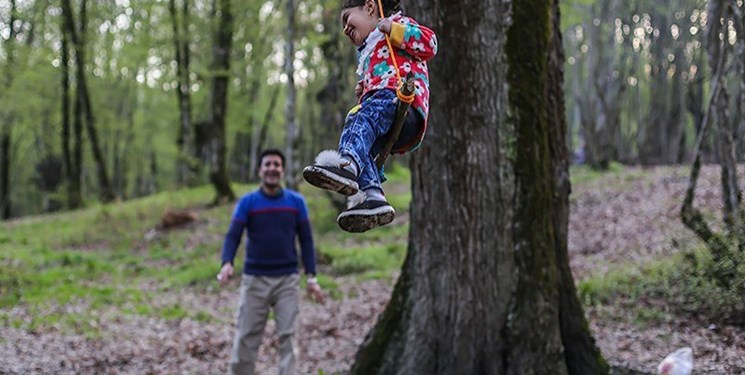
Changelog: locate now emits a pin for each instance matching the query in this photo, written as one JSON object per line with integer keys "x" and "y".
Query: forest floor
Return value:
{"x": 152, "y": 307}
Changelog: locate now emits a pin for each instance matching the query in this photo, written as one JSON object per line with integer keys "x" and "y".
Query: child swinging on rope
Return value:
{"x": 387, "y": 42}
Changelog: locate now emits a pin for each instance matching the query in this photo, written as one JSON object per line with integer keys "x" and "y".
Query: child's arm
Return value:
{"x": 417, "y": 40}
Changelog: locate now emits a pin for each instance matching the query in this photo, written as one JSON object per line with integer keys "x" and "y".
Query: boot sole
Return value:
{"x": 324, "y": 179}
{"x": 359, "y": 221}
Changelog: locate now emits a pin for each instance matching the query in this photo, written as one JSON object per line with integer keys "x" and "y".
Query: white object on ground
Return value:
{"x": 679, "y": 362}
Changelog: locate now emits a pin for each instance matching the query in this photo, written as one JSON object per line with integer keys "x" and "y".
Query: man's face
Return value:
{"x": 271, "y": 171}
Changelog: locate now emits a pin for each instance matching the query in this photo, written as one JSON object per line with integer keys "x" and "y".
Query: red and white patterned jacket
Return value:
{"x": 414, "y": 44}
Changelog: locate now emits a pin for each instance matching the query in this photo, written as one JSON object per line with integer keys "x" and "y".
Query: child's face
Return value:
{"x": 359, "y": 22}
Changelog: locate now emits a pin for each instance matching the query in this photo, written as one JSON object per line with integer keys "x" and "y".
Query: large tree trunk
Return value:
{"x": 106, "y": 191}
{"x": 486, "y": 288}
{"x": 292, "y": 128}
{"x": 219, "y": 100}
{"x": 186, "y": 166}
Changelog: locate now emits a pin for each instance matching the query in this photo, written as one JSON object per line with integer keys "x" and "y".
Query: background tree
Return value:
{"x": 726, "y": 246}
{"x": 83, "y": 101}
{"x": 290, "y": 103}
{"x": 481, "y": 284}
{"x": 219, "y": 94}
{"x": 187, "y": 163}
{"x": 6, "y": 126}
{"x": 72, "y": 173}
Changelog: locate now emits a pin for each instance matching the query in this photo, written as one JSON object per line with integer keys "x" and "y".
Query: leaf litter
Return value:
{"x": 628, "y": 218}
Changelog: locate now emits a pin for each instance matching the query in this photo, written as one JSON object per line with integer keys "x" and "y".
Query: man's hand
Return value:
{"x": 225, "y": 273}
{"x": 358, "y": 90}
{"x": 314, "y": 292}
{"x": 384, "y": 25}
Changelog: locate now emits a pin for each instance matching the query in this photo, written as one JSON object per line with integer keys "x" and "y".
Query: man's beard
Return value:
{"x": 272, "y": 184}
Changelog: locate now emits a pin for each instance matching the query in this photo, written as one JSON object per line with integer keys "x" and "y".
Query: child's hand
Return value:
{"x": 358, "y": 90}
{"x": 385, "y": 25}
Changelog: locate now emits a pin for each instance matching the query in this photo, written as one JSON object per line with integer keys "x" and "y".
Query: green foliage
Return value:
{"x": 132, "y": 82}
{"x": 684, "y": 284}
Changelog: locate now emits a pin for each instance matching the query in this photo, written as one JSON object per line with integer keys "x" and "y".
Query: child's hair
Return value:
{"x": 389, "y": 6}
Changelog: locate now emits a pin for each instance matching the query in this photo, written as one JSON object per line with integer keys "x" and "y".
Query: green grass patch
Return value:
{"x": 97, "y": 258}
{"x": 172, "y": 312}
{"x": 378, "y": 260}
{"x": 680, "y": 285}
{"x": 582, "y": 174}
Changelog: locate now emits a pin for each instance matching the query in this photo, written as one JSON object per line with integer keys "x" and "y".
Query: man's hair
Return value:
{"x": 389, "y": 6}
{"x": 271, "y": 151}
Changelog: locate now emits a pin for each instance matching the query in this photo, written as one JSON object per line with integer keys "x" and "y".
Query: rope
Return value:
{"x": 408, "y": 99}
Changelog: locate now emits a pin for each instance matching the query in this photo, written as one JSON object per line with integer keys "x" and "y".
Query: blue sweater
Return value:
{"x": 272, "y": 224}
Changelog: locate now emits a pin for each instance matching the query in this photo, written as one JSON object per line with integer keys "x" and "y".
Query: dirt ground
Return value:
{"x": 626, "y": 219}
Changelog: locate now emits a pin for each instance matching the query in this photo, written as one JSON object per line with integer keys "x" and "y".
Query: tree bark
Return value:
{"x": 482, "y": 290}
{"x": 292, "y": 128}
{"x": 219, "y": 100}
{"x": 106, "y": 191}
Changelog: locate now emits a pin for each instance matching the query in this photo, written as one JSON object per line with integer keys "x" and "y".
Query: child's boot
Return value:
{"x": 365, "y": 211}
{"x": 334, "y": 172}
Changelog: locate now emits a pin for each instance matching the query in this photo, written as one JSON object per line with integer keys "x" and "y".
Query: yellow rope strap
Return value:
{"x": 408, "y": 99}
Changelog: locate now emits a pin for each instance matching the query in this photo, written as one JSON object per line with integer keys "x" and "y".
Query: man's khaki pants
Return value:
{"x": 258, "y": 294}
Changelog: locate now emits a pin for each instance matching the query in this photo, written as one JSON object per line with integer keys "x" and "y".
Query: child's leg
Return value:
{"x": 340, "y": 171}
{"x": 362, "y": 138}
{"x": 364, "y": 130}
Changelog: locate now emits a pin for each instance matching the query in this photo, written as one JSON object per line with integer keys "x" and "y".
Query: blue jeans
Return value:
{"x": 366, "y": 132}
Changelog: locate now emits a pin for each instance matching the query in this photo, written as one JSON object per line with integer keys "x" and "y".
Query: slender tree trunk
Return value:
{"x": 292, "y": 128}
{"x": 691, "y": 216}
{"x": 259, "y": 134}
{"x": 244, "y": 155}
{"x": 185, "y": 165}
{"x": 5, "y": 206}
{"x": 219, "y": 101}
{"x": 74, "y": 194}
{"x": 605, "y": 87}
{"x": 6, "y": 126}
{"x": 726, "y": 131}
{"x": 653, "y": 135}
{"x": 739, "y": 124}
{"x": 482, "y": 290}
{"x": 106, "y": 190}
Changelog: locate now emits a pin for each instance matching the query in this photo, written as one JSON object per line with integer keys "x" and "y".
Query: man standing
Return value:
{"x": 272, "y": 217}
